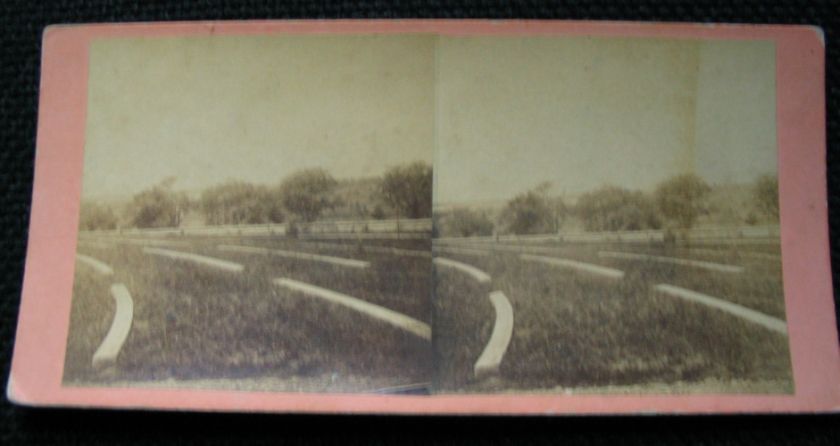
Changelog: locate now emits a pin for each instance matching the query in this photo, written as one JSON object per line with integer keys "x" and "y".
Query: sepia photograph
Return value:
{"x": 606, "y": 217}
{"x": 256, "y": 215}
{"x": 421, "y": 214}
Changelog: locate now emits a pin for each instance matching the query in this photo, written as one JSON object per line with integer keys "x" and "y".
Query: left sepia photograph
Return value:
{"x": 256, "y": 215}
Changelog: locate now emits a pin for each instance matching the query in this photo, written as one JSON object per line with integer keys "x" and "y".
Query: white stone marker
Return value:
{"x": 490, "y": 359}
{"x": 394, "y": 318}
{"x": 745, "y": 313}
{"x": 463, "y": 251}
{"x": 720, "y": 267}
{"x": 120, "y": 327}
{"x": 97, "y": 265}
{"x": 574, "y": 264}
{"x": 340, "y": 261}
{"x": 195, "y": 258}
{"x": 474, "y": 272}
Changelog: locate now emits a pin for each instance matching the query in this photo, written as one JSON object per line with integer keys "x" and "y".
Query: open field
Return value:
{"x": 462, "y": 323}
{"x": 576, "y": 330}
{"x": 578, "y": 325}
{"x": 196, "y": 323}
{"x": 758, "y": 287}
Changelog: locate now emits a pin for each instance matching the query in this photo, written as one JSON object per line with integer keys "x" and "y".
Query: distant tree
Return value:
{"x": 238, "y": 202}
{"x": 307, "y": 193}
{"x": 158, "y": 207}
{"x": 93, "y": 217}
{"x": 360, "y": 210}
{"x": 408, "y": 190}
{"x": 766, "y": 196}
{"x": 533, "y": 212}
{"x": 681, "y": 199}
{"x": 465, "y": 222}
{"x": 353, "y": 198}
{"x": 612, "y": 208}
{"x": 557, "y": 207}
{"x": 377, "y": 213}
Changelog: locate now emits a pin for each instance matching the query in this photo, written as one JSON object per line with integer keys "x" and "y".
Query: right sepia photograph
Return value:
{"x": 606, "y": 217}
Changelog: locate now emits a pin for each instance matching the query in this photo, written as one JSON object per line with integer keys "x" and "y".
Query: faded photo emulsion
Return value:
{"x": 256, "y": 214}
{"x": 426, "y": 214}
{"x": 607, "y": 217}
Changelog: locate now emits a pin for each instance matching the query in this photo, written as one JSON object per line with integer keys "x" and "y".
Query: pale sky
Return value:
{"x": 581, "y": 112}
{"x": 498, "y": 115}
{"x": 255, "y": 108}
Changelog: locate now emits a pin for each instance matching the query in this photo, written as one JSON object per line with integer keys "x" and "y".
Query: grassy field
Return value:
{"x": 573, "y": 330}
{"x": 759, "y": 287}
{"x": 461, "y": 326}
{"x": 194, "y": 323}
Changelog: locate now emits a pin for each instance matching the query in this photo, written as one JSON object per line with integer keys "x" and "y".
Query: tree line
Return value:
{"x": 676, "y": 203}
{"x": 304, "y": 196}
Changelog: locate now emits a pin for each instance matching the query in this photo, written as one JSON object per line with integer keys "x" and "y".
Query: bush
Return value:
{"x": 307, "y": 193}
{"x": 95, "y": 217}
{"x": 158, "y": 207}
{"x": 681, "y": 199}
{"x": 612, "y": 208}
{"x": 766, "y": 196}
{"x": 465, "y": 222}
{"x": 292, "y": 230}
{"x": 378, "y": 213}
{"x": 237, "y": 202}
{"x": 408, "y": 190}
{"x": 533, "y": 212}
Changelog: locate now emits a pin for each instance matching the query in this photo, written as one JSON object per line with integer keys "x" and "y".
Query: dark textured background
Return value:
{"x": 21, "y": 23}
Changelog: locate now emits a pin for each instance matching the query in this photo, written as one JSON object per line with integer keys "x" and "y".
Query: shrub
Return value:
{"x": 408, "y": 190}
{"x": 533, "y": 212}
{"x": 681, "y": 199}
{"x": 93, "y": 217}
{"x": 158, "y": 207}
{"x": 612, "y": 208}
{"x": 292, "y": 229}
{"x": 307, "y": 193}
{"x": 766, "y": 196}
{"x": 378, "y": 213}
{"x": 465, "y": 222}
{"x": 237, "y": 202}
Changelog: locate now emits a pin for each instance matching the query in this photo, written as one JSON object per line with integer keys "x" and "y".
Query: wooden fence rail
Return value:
{"x": 748, "y": 234}
{"x": 363, "y": 229}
